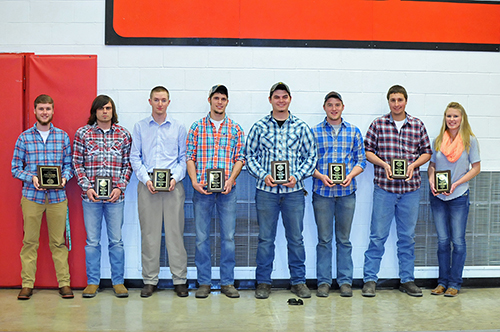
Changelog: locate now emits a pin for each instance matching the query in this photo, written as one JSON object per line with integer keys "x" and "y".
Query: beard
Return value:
{"x": 44, "y": 123}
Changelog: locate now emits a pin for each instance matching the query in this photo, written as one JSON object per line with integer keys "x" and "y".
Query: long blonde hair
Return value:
{"x": 465, "y": 129}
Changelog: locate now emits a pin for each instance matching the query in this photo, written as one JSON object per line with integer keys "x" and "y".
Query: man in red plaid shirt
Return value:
{"x": 102, "y": 148}
{"x": 215, "y": 142}
{"x": 396, "y": 135}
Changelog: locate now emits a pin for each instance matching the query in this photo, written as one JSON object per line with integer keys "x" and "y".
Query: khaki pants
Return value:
{"x": 56, "y": 225}
{"x": 155, "y": 210}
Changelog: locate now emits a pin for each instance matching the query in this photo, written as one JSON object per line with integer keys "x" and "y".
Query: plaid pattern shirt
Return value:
{"x": 96, "y": 153}
{"x": 30, "y": 151}
{"x": 211, "y": 149}
{"x": 384, "y": 140}
{"x": 344, "y": 147}
{"x": 267, "y": 142}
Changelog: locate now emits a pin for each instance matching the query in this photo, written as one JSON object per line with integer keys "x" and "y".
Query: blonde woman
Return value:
{"x": 455, "y": 149}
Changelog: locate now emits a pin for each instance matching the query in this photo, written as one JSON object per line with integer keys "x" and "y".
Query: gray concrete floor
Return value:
{"x": 390, "y": 310}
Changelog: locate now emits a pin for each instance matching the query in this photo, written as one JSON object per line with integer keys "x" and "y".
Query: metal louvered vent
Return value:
{"x": 483, "y": 227}
{"x": 247, "y": 230}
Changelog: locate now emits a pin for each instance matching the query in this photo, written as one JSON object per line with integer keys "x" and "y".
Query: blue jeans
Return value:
{"x": 92, "y": 216}
{"x": 450, "y": 218}
{"x": 226, "y": 207}
{"x": 404, "y": 208}
{"x": 325, "y": 209}
{"x": 292, "y": 207}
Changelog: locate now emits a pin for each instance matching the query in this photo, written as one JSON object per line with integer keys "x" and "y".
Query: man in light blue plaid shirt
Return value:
{"x": 338, "y": 142}
{"x": 280, "y": 136}
{"x": 45, "y": 145}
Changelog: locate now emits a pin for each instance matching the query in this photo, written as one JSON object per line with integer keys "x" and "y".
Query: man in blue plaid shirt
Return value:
{"x": 280, "y": 136}
{"x": 43, "y": 144}
{"x": 338, "y": 142}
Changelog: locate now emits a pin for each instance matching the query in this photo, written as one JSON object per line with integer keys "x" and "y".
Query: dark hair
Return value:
{"x": 99, "y": 102}
{"x": 159, "y": 88}
{"x": 397, "y": 89}
{"x": 44, "y": 99}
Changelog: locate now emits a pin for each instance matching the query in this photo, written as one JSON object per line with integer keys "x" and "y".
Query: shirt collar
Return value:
{"x": 167, "y": 119}
{"x": 408, "y": 119}
{"x": 328, "y": 124}
{"x": 95, "y": 127}
{"x": 50, "y": 129}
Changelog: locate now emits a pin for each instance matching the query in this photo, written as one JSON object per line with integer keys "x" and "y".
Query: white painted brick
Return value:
{"x": 25, "y": 35}
{"x": 51, "y": 11}
{"x": 185, "y": 57}
{"x": 273, "y": 58}
{"x": 89, "y": 11}
{"x": 137, "y": 56}
{"x": 480, "y": 105}
{"x": 203, "y": 79}
{"x": 14, "y": 11}
{"x": 321, "y": 58}
{"x": 447, "y": 61}
{"x": 229, "y": 57}
{"x": 341, "y": 81}
{"x": 172, "y": 79}
{"x": 119, "y": 78}
{"x": 77, "y": 33}
{"x": 253, "y": 80}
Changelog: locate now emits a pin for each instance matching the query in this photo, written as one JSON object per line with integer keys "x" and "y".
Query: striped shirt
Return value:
{"x": 384, "y": 140}
{"x": 211, "y": 149}
{"x": 99, "y": 153}
{"x": 345, "y": 147}
{"x": 267, "y": 142}
{"x": 30, "y": 151}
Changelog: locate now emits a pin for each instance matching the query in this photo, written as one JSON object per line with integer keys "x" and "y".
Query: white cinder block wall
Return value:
{"x": 127, "y": 73}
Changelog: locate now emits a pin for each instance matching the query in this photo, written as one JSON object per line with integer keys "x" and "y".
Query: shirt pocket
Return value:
{"x": 267, "y": 142}
{"x": 293, "y": 142}
{"x": 92, "y": 149}
{"x": 410, "y": 144}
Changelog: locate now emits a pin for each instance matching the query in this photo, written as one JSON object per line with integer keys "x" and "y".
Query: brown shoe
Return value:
{"x": 148, "y": 290}
{"x": 230, "y": 291}
{"x": 90, "y": 291}
{"x": 66, "y": 292}
{"x": 451, "y": 292}
{"x": 25, "y": 293}
{"x": 202, "y": 292}
{"x": 181, "y": 290}
{"x": 120, "y": 290}
{"x": 439, "y": 290}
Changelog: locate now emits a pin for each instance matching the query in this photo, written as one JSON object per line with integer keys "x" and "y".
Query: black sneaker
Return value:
{"x": 411, "y": 289}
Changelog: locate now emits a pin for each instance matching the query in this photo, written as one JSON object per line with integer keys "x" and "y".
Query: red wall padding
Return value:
{"x": 71, "y": 80}
{"x": 11, "y": 221}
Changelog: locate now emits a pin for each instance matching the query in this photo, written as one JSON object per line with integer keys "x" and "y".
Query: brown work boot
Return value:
{"x": 439, "y": 290}
{"x": 148, "y": 290}
{"x": 451, "y": 292}
{"x": 230, "y": 291}
{"x": 120, "y": 290}
{"x": 202, "y": 292}
{"x": 90, "y": 291}
{"x": 25, "y": 293}
{"x": 66, "y": 292}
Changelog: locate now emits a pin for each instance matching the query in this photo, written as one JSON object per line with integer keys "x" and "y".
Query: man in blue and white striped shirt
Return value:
{"x": 338, "y": 142}
{"x": 280, "y": 136}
